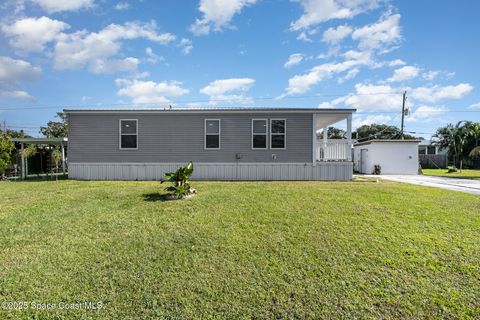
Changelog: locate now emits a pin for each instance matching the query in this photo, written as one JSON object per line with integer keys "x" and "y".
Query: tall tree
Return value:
{"x": 379, "y": 131}
{"x": 56, "y": 129}
{"x": 333, "y": 133}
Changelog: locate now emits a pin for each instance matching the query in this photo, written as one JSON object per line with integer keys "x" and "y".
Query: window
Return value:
{"x": 422, "y": 149}
{"x": 212, "y": 134}
{"x": 277, "y": 133}
{"x": 431, "y": 150}
{"x": 128, "y": 134}
{"x": 259, "y": 133}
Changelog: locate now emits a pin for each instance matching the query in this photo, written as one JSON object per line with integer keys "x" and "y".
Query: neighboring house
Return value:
{"x": 224, "y": 144}
{"x": 432, "y": 156}
{"x": 427, "y": 147}
{"x": 394, "y": 156}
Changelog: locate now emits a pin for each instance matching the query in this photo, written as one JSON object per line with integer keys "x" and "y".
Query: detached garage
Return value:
{"x": 393, "y": 156}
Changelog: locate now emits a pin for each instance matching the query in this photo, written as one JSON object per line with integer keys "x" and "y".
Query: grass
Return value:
{"x": 360, "y": 250}
{"x": 464, "y": 174}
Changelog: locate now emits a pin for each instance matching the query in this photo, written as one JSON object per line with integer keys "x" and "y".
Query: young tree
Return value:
{"x": 6, "y": 148}
{"x": 56, "y": 129}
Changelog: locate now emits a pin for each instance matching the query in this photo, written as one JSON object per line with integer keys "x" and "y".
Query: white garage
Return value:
{"x": 393, "y": 156}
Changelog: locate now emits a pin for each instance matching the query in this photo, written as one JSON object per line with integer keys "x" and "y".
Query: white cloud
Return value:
{"x": 475, "y": 106}
{"x": 217, "y": 14}
{"x": 17, "y": 94}
{"x": 302, "y": 83}
{"x": 426, "y": 114}
{"x": 228, "y": 89}
{"x": 307, "y": 34}
{"x": 102, "y": 66}
{"x": 349, "y": 76}
{"x": 374, "y": 97}
{"x": 152, "y": 57}
{"x": 396, "y": 63}
{"x": 318, "y": 11}
{"x": 81, "y": 49}
{"x": 434, "y": 74}
{"x": 12, "y": 73}
{"x": 186, "y": 45}
{"x": 31, "y": 34}
{"x": 17, "y": 70}
{"x": 436, "y": 93}
{"x": 149, "y": 91}
{"x": 335, "y": 35}
{"x": 384, "y": 97}
{"x": 52, "y": 6}
{"x": 404, "y": 74}
{"x": 380, "y": 35}
{"x": 294, "y": 59}
{"x": 371, "y": 119}
{"x": 430, "y": 75}
{"x": 122, "y": 6}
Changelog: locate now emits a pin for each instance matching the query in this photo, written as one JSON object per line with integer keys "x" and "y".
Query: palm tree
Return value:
{"x": 452, "y": 138}
{"x": 473, "y": 132}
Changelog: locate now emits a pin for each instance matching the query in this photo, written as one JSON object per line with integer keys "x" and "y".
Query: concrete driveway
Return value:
{"x": 463, "y": 185}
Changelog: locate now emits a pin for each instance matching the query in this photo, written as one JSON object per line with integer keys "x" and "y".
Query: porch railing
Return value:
{"x": 333, "y": 150}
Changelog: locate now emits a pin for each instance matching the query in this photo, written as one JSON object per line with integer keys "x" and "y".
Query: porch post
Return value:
{"x": 349, "y": 137}
{"x": 23, "y": 161}
{"x": 63, "y": 158}
{"x": 314, "y": 139}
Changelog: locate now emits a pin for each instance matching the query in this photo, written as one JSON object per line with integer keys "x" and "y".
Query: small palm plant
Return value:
{"x": 180, "y": 187}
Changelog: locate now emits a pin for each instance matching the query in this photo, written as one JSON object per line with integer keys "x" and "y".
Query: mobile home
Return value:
{"x": 223, "y": 143}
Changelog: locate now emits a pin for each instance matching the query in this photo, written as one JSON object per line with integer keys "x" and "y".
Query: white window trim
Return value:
{"x": 279, "y": 134}
{"x": 211, "y": 134}
{"x": 126, "y": 134}
{"x": 266, "y": 133}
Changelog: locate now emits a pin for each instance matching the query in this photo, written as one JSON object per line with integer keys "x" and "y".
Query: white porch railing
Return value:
{"x": 333, "y": 150}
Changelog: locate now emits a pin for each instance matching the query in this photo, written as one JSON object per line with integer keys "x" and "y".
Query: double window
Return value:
{"x": 212, "y": 134}
{"x": 129, "y": 134}
{"x": 259, "y": 133}
{"x": 277, "y": 133}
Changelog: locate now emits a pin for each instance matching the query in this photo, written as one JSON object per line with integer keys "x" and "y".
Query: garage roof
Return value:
{"x": 386, "y": 140}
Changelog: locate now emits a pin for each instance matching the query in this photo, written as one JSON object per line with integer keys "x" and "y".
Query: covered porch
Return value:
{"x": 61, "y": 142}
{"x": 325, "y": 149}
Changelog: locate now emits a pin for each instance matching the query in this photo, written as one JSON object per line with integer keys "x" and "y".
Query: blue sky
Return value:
{"x": 304, "y": 53}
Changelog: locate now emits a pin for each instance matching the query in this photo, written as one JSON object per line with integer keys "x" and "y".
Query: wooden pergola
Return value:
{"x": 62, "y": 142}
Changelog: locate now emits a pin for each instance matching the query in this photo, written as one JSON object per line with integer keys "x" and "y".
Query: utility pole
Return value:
{"x": 403, "y": 113}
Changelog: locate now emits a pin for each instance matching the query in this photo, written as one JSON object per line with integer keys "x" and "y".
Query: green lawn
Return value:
{"x": 465, "y": 173}
{"x": 240, "y": 250}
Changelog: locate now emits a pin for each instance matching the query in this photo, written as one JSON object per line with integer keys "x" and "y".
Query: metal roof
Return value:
{"x": 208, "y": 109}
{"x": 41, "y": 140}
{"x": 386, "y": 140}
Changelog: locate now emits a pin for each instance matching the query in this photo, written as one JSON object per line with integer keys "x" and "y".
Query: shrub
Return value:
{"x": 377, "y": 169}
{"x": 180, "y": 181}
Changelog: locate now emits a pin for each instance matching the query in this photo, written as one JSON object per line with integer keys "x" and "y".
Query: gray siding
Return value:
{"x": 171, "y": 138}
{"x": 340, "y": 171}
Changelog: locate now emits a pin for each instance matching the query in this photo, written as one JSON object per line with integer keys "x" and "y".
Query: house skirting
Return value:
{"x": 331, "y": 171}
